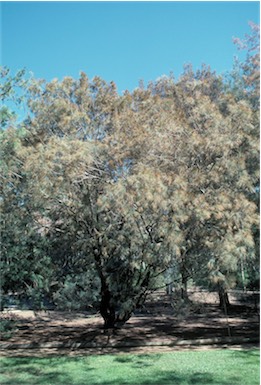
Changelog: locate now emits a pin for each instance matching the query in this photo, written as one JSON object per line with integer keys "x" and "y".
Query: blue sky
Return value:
{"x": 122, "y": 41}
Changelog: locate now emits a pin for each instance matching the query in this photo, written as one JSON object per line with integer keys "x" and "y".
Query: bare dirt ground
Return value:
{"x": 161, "y": 325}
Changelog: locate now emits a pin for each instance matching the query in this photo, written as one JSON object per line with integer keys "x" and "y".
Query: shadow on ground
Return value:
{"x": 157, "y": 324}
{"x": 38, "y": 371}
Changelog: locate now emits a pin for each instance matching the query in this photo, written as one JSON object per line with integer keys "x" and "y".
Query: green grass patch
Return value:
{"x": 213, "y": 367}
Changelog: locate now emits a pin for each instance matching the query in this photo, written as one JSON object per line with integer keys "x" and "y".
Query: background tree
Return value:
{"x": 12, "y": 95}
{"x": 25, "y": 264}
{"x": 206, "y": 149}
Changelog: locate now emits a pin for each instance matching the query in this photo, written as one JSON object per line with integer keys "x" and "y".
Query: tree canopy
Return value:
{"x": 106, "y": 192}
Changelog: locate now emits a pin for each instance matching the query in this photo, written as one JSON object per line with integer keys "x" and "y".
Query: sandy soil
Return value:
{"x": 157, "y": 327}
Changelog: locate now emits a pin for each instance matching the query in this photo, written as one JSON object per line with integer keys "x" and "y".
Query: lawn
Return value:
{"x": 213, "y": 367}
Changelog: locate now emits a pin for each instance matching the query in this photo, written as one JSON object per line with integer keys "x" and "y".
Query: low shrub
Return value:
{"x": 8, "y": 325}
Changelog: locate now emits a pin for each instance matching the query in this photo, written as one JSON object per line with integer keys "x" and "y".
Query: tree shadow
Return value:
{"x": 174, "y": 378}
{"x": 36, "y": 369}
{"x": 249, "y": 357}
{"x": 139, "y": 360}
{"x": 46, "y": 371}
{"x": 166, "y": 329}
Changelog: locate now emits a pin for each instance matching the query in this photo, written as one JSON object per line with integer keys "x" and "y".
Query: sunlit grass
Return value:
{"x": 213, "y": 367}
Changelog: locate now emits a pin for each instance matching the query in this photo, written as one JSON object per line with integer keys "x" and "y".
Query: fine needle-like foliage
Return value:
{"x": 123, "y": 188}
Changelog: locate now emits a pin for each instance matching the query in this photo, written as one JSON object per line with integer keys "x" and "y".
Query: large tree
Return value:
{"x": 106, "y": 211}
{"x": 131, "y": 185}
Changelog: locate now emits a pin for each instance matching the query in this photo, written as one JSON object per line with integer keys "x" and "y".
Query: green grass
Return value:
{"x": 213, "y": 367}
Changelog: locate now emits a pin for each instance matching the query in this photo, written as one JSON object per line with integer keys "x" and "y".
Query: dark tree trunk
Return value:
{"x": 184, "y": 287}
{"x": 169, "y": 288}
{"x": 113, "y": 305}
{"x": 224, "y": 305}
{"x": 112, "y": 312}
{"x": 107, "y": 309}
{"x": 184, "y": 278}
{"x": 109, "y": 314}
{"x": 184, "y": 293}
{"x": 223, "y": 299}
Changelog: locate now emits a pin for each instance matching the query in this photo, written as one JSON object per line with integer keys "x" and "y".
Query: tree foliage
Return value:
{"x": 106, "y": 192}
